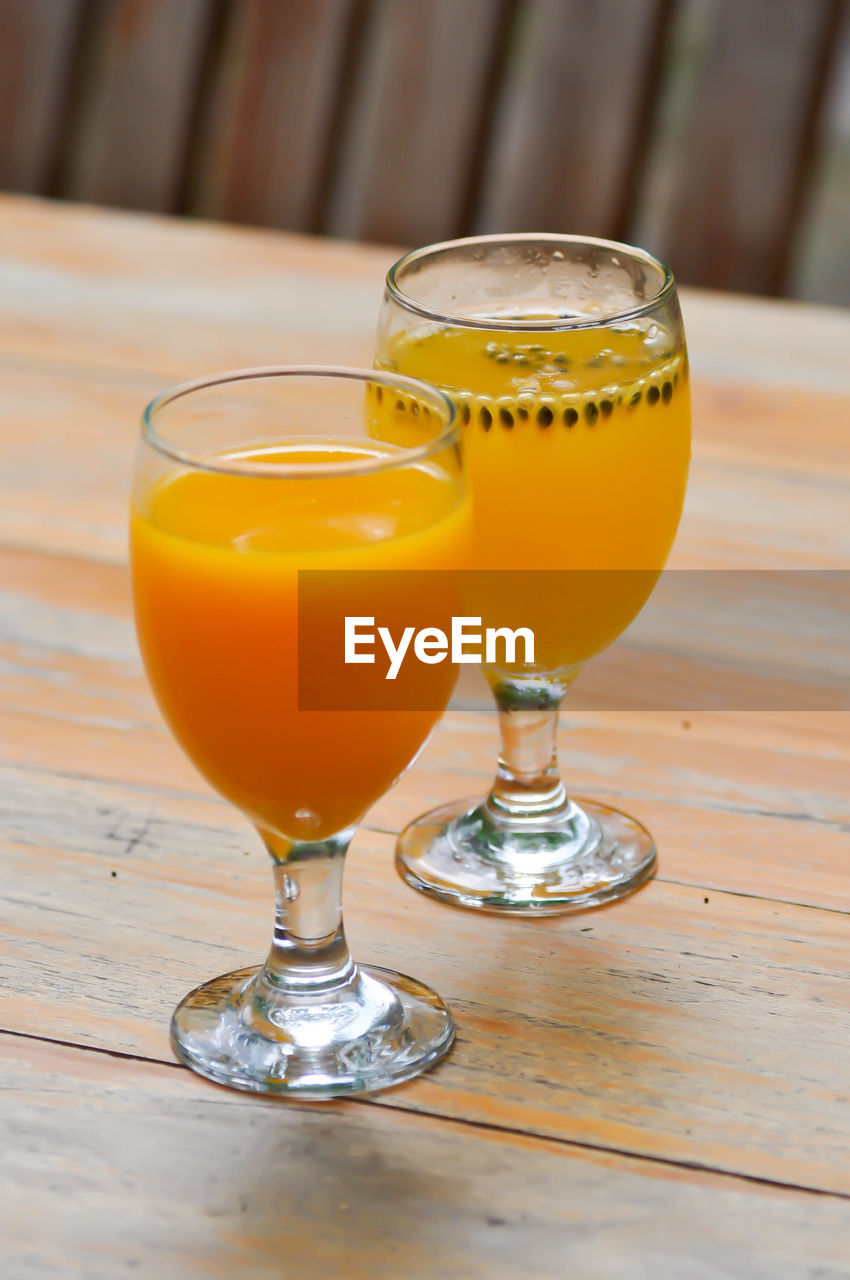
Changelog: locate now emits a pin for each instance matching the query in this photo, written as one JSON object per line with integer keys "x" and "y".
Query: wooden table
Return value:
{"x": 660, "y": 1089}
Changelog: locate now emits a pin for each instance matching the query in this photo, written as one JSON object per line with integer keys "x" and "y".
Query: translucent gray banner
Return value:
{"x": 742, "y": 640}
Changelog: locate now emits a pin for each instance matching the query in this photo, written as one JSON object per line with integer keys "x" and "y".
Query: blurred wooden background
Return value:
{"x": 715, "y": 132}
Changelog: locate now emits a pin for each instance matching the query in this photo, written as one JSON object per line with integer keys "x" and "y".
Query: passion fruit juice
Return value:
{"x": 577, "y": 445}
{"x": 216, "y": 560}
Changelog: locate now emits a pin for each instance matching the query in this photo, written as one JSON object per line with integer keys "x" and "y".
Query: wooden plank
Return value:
{"x": 212, "y": 1185}
{"x": 654, "y": 1028}
{"x": 646, "y": 1029}
{"x": 67, "y": 642}
{"x": 683, "y": 1030}
{"x": 779, "y": 831}
{"x": 99, "y": 289}
{"x": 87, "y": 292}
{"x": 412, "y": 126}
{"x": 707, "y": 839}
{"x": 264, "y": 144}
{"x": 671, "y": 1027}
{"x": 72, "y": 698}
{"x": 66, "y": 469}
{"x": 571, "y": 117}
{"x": 777, "y": 826}
{"x": 768, "y": 484}
{"x": 737, "y": 167}
{"x": 767, "y": 343}
{"x": 36, "y": 47}
{"x": 136, "y": 88}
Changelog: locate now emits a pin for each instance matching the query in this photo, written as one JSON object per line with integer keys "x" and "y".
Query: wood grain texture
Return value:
{"x": 36, "y": 47}
{"x": 669, "y": 1026}
{"x": 602, "y": 1058}
{"x": 100, "y": 311}
{"x": 135, "y": 1167}
{"x": 779, "y": 830}
{"x": 569, "y": 128}
{"x": 98, "y": 289}
{"x": 768, "y": 486}
{"x": 136, "y": 82}
{"x": 73, "y": 699}
{"x": 408, "y": 142}
{"x": 265, "y": 138}
{"x": 740, "y": 160}
{"x": 690, "y": 1031}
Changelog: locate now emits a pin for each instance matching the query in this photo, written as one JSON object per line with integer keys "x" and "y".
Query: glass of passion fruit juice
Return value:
{"x": 565, "y": 358}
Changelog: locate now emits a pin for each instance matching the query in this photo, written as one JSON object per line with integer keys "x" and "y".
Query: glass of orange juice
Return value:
{"x": 565, "y": 359}
{"x": 242, "y": 482}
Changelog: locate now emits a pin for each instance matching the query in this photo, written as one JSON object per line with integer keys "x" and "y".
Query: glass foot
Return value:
{"x": 460, "y": 854}
{"x": 377, "y": 1029}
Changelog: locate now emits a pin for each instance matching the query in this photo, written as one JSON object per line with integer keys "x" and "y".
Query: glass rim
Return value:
{"x": 282, "y": 470}
{"x": 518, "y": 326}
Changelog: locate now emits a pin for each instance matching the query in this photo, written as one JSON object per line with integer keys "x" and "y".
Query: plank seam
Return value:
{"x": 91, "y": 1048}
{"x": 143, "y": 789}
{"x": 482, "y": 1125}
{"x": 577, "y": 1143}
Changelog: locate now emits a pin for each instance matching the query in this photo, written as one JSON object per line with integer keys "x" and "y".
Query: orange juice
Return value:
{"x": 577, "y": 445}
{"x": 215, "y": 559}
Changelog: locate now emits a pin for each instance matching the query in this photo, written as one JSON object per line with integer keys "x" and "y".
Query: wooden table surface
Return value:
{"x": 658, "y": 1089}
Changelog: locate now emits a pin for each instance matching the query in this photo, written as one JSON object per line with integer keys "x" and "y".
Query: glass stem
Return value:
{"x": 528, "y": 786}
{"x": 309, "y": 954}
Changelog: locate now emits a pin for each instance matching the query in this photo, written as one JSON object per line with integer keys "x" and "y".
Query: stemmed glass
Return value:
{"x": 565, "y": 358}
{"x": 244, "y": 481}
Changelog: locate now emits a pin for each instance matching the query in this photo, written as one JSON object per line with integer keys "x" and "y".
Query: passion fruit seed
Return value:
{"x": 544, "y": 411}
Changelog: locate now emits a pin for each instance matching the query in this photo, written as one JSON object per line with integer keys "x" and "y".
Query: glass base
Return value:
{"x": 377, "y": 1029}
{"x": 460, "y": 853}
